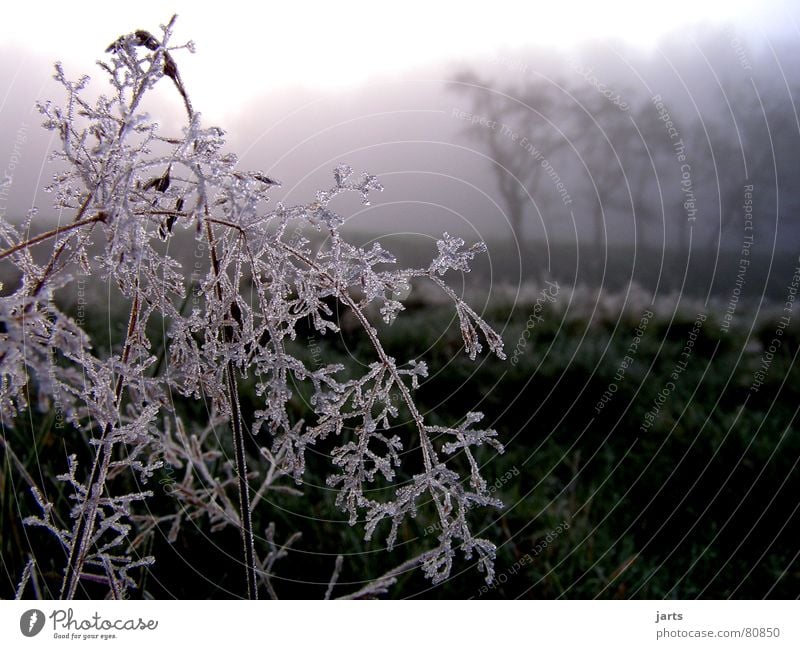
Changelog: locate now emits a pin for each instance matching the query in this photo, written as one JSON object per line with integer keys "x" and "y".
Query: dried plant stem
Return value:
{"x": 428, "y": 452}
{"x": 84, "y": 526}
{"x": 380, "y": 585}
{"x": 337, "y": 570}
{"x": 243, "y": 483}
{"x": 57, "y": 252}
{"x": 245, "y": 517}
{"x": 50, "y": 233}
{"x": 127, "y": 395}
{"x": 26, "y": 577}
{"x": 14, "y": 458}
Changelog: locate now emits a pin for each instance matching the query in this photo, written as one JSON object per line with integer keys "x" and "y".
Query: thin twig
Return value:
{"x": 42, "y": 281}
{"x": 100, "y": 216}
{"x": 246, "y": 519}
{"x": 275, "y": 554}
{"x": 380, "y": 585}
{"x": 337, "y": 569}
{"x": 84, "y": 526}
{"x": 26, "y": 575}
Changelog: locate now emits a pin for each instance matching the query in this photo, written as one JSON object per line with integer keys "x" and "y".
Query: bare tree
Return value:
{"x": 522, "y": 141}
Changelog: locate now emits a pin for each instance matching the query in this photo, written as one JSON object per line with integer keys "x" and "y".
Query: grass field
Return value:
{"x": 689, "y": 494}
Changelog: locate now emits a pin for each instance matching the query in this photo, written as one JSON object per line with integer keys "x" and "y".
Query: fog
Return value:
{"x": 601, "y": 151}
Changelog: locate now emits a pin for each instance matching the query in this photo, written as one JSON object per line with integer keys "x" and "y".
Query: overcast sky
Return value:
{"x": 301, "y": 87}
{"x": 247, "y": 49}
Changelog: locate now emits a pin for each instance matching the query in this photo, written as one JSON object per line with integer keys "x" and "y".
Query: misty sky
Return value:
{"x": 248, "y": 49}
{"x": 300, "y": 88}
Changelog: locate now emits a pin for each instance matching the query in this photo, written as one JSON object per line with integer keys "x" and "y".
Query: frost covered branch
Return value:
{"x": 260, "y": 285}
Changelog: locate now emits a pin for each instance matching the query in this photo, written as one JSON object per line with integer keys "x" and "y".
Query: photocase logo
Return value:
{"x": 31, "y": 622}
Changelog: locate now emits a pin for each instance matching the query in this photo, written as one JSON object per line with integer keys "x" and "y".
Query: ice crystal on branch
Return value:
{"x": 260, "y": 283}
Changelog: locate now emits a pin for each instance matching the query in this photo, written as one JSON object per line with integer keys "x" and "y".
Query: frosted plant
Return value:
{"x": 130, "y": 189}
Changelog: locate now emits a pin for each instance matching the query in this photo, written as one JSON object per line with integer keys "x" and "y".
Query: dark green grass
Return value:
{"x": 701, "y": 504}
